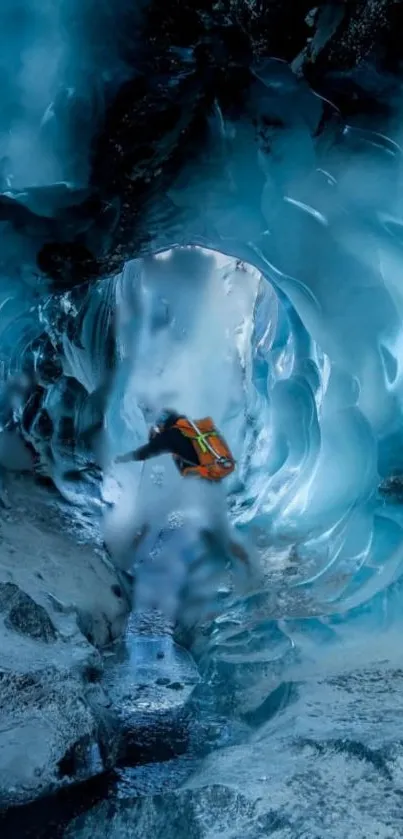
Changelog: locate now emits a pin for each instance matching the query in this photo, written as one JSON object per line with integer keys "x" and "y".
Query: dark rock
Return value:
{"x": 277, "y": 28}
{"x": 24, "y": 615}
{"x": 79, "y": 760}
{"x": 156, "y": 741}
{"x": 67, "y": 264}
{"x": 93, "y": 672}
{"x": 175, "y": 686}
{"x": 352, "y": 33}
{"x": 29, "y": 618}
{"x": 8, "y": 591}
{"x": 183, "y": 58}
{"x": 48, "y": 817}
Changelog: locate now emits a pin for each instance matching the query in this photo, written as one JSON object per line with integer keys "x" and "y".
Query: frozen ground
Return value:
{"x": 60, "y": 603}
{"x": 328, "y": 765}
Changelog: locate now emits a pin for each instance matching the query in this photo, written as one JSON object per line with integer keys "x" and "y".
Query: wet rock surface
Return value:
{"x": 149, "y": 682}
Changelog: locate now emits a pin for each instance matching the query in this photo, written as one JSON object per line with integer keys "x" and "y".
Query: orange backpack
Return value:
{"x": 214, "y": 454}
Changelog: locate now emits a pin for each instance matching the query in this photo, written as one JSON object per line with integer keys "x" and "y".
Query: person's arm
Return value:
{"x": 157, "y": 445}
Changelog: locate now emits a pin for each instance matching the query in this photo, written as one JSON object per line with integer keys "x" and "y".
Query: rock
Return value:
{"x": 329, "y": 765}
{"x": 350, "y": 34}
{"x": 94, "y": 626}
{"x": 27, "y": 617}
{"x": 7, "y": 593}
{"x": 43, "y": 716}
{"x": 175, "y": 686}
{"x": 48, "y": 817}
{"x": 207, "y": 813}
{"x": 270, "y": 28}
{"x": 149, "y": 701}
{"x": 54, "y": 596}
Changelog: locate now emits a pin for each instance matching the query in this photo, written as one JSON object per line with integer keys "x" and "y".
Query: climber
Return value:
{"x": 198, "y": 449}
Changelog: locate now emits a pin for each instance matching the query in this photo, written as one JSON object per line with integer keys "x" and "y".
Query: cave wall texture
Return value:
{"x": 180, "y": 59}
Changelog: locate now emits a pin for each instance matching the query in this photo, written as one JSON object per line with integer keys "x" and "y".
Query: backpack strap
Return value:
{"x": 202, "y": 440}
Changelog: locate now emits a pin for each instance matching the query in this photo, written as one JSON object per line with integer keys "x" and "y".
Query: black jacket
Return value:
{"x": 170, "y": 440}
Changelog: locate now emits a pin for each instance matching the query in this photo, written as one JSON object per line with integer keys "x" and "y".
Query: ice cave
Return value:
{"x": 201, "y": 212}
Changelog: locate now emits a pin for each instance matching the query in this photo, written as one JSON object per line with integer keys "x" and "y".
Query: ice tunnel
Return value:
{"x": 235, "y": 253}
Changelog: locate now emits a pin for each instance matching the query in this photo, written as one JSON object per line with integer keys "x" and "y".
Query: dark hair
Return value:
{"x": 167, "y": 416}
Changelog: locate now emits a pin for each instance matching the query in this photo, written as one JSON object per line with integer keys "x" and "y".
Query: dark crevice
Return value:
{"x": 48, "y": 817}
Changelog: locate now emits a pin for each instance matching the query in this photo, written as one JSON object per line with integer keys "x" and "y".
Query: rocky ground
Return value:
{"x": 60, "y": 604}
{"x": 327, "y": 766}
{"x": 82, "y": 691}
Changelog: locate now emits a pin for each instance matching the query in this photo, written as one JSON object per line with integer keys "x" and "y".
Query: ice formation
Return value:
{"x": 315, "y": 401}
{"x": 267, "y": 293}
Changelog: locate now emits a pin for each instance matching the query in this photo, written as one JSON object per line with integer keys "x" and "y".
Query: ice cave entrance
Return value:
{"x": 194, "y": 349}
{"x": 188, "y": 341}
{"x": 187, "y": 337}
{"x": 206, "y": 334}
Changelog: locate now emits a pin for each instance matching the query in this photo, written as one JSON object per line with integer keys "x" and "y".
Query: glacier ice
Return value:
{"x": 312, "y": 403}
{"x": 266, "y": 293}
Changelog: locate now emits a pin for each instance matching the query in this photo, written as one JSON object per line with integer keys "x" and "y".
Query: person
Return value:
{"x": 197, "y": 447}
{"x": 199, "y": 451}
